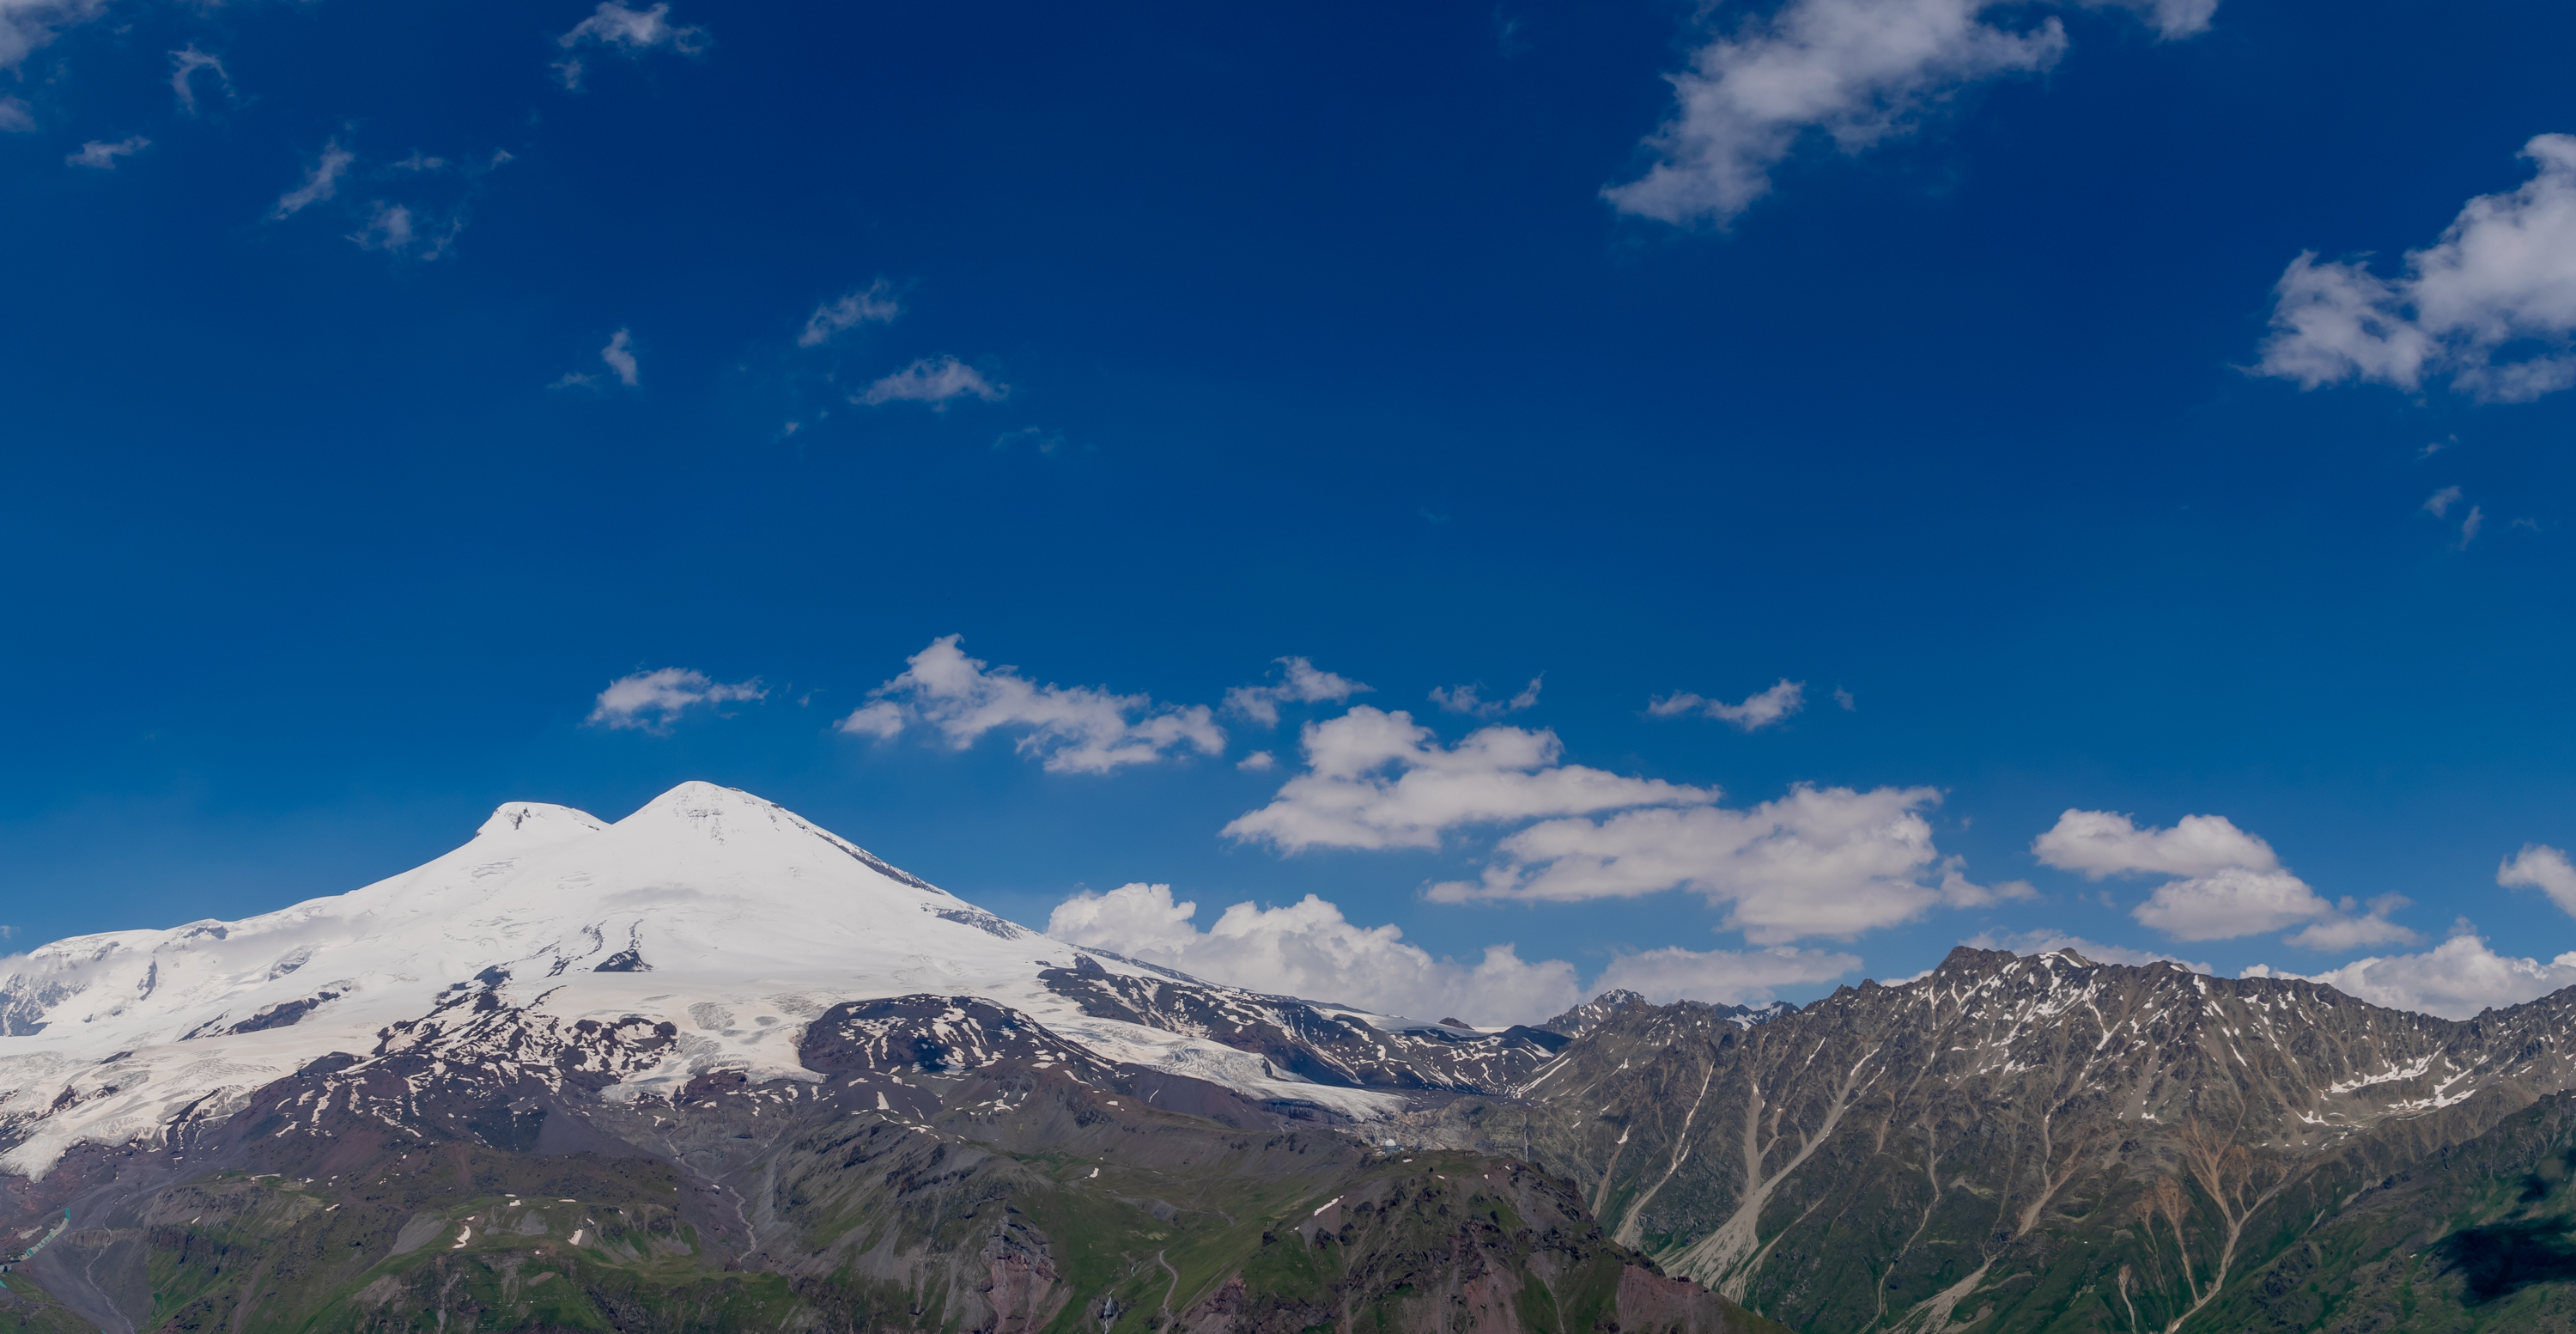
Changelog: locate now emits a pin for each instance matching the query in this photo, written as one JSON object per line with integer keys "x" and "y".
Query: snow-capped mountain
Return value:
{"x": 725, "y": 918}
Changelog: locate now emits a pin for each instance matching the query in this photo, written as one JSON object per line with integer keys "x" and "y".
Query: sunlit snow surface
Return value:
{"x": 743, "y": 922}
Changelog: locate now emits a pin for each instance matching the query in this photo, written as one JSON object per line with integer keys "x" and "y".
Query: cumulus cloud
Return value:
{"x": 652, "y": 701}
{"x": 2544, "y": 868}
{"x": 184, "y": 64}
{"x": 872, "y": 305}
{"x": 321, "y": 181}
{"x": 2230, "y": 883}
{"x": 2501, "y": 279}
{"x": 2440, "y": 502}
{"x": 1464, "y": 699}
{"x": 1855, "y": 72}
{"x": 2455, "y": 979}
{"x": 1310, "y": 949}
{"x": 1758, "y": 711}
{"x": 1301, "y": 682}
{"x": 932, "y": 382}
{"x": 1375, "y": 779}
{"x": 2100, "y": 843}
{"x": 103, "y": 156}
{"x": 2048, "y": 940}
{"x": 1259, "y": 762}
{"x": 1075, "y": 729}
{"x": 1817, "y": 862}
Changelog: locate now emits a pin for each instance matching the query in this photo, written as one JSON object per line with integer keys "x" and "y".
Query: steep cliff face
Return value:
{"x": 2030, "y": 1143}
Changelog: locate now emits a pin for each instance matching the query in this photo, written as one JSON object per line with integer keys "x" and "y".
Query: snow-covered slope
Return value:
{"x": 712, "y": 910}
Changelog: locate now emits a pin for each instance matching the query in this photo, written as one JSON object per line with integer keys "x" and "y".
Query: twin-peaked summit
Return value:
{"x": 727, "y": 916}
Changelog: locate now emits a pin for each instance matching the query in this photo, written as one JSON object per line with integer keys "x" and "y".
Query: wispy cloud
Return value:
{"x": 631, "y": 31}
{"x": 1465, "y": 699}
{"x": 2440, "y": 502}
{"x": 933, "y": 382}
{"x": 2500, "y": 279}
{"x": 1072, "y": 729}
{"x": 873, "y": 305}
{"x": 619, "y": 356}
{"x": 652, "y": 701}
{"x": 103, "y": 156}
{"x": 16, "y": 117}
{"x": 184, "y": 64}
{"x": 1758, "y": 711}
{"x": 395, "y": 229}
{"x": 1855, "y": 72}
{"x": 321, "y": 181}
{"x": 1301, "y": 682}
{"x": 28, "y": 24}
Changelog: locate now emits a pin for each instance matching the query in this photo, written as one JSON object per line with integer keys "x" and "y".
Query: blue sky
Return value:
{"x": 376, "y": 402}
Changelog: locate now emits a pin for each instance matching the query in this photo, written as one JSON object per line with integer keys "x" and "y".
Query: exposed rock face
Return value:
{"x": 1311, "y": 1041}
{"x": 944, "y": 1163}
{"x": 2019, "y": 1141}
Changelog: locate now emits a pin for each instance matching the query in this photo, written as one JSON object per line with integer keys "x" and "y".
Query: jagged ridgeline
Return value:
{"x": 713, "y": 1068}
{"x": 682, "y": 1073}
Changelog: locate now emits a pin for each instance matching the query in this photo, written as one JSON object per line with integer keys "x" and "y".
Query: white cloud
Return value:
{"x": 1844, "y": 698}
{"x": 1301, "y": 682}
{"x": 1463, "y": 699}
{"x": 393, "y": 229}
{"x": 869, "y": 306}
{"x": 1310, "y": 949}
{"x": 1727, "y": 977}
{"x": 1858, "y": 72}
{"x": 2046, "y": 940}
{"x": 185, "y": 63}
{"x": 1077, "y": 729}
{"x": 1259, "y": 762}
{"x": 2440, "y": 502}
{"x": 633, "y": 30}
{"x": 2454, "y": 979}
{"x": 2544, "y": 868}
{"x": 104, "y": 155}
{"x": 2469, "y": 526}
{"x": 933, "y": 382}
{"x": 2502, "y": 276}
{"x": 16, "y": 117}
{"x": 2341, "y": 932}
{"x": 1758, "y": 711}
{"x": 652, "y": 701}
{"x": 320, "y": 182}
{"x": 1817, "y": 862}
{"x": 2100, "y": 843}
{"x": 2231, "y": 882}
{"x": 620, "y": 356}
{"x": 389, "y": 228}
{"x": 28, "y": 24}
{"x": 2229, "y": 902}
{"x": 1379, "y": 780}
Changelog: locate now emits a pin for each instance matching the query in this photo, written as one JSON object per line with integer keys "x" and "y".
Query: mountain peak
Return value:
{"x": 537, "y": 821}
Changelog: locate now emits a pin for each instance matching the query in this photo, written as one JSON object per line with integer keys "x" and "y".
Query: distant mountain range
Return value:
{"x": 713, "y": 1067}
